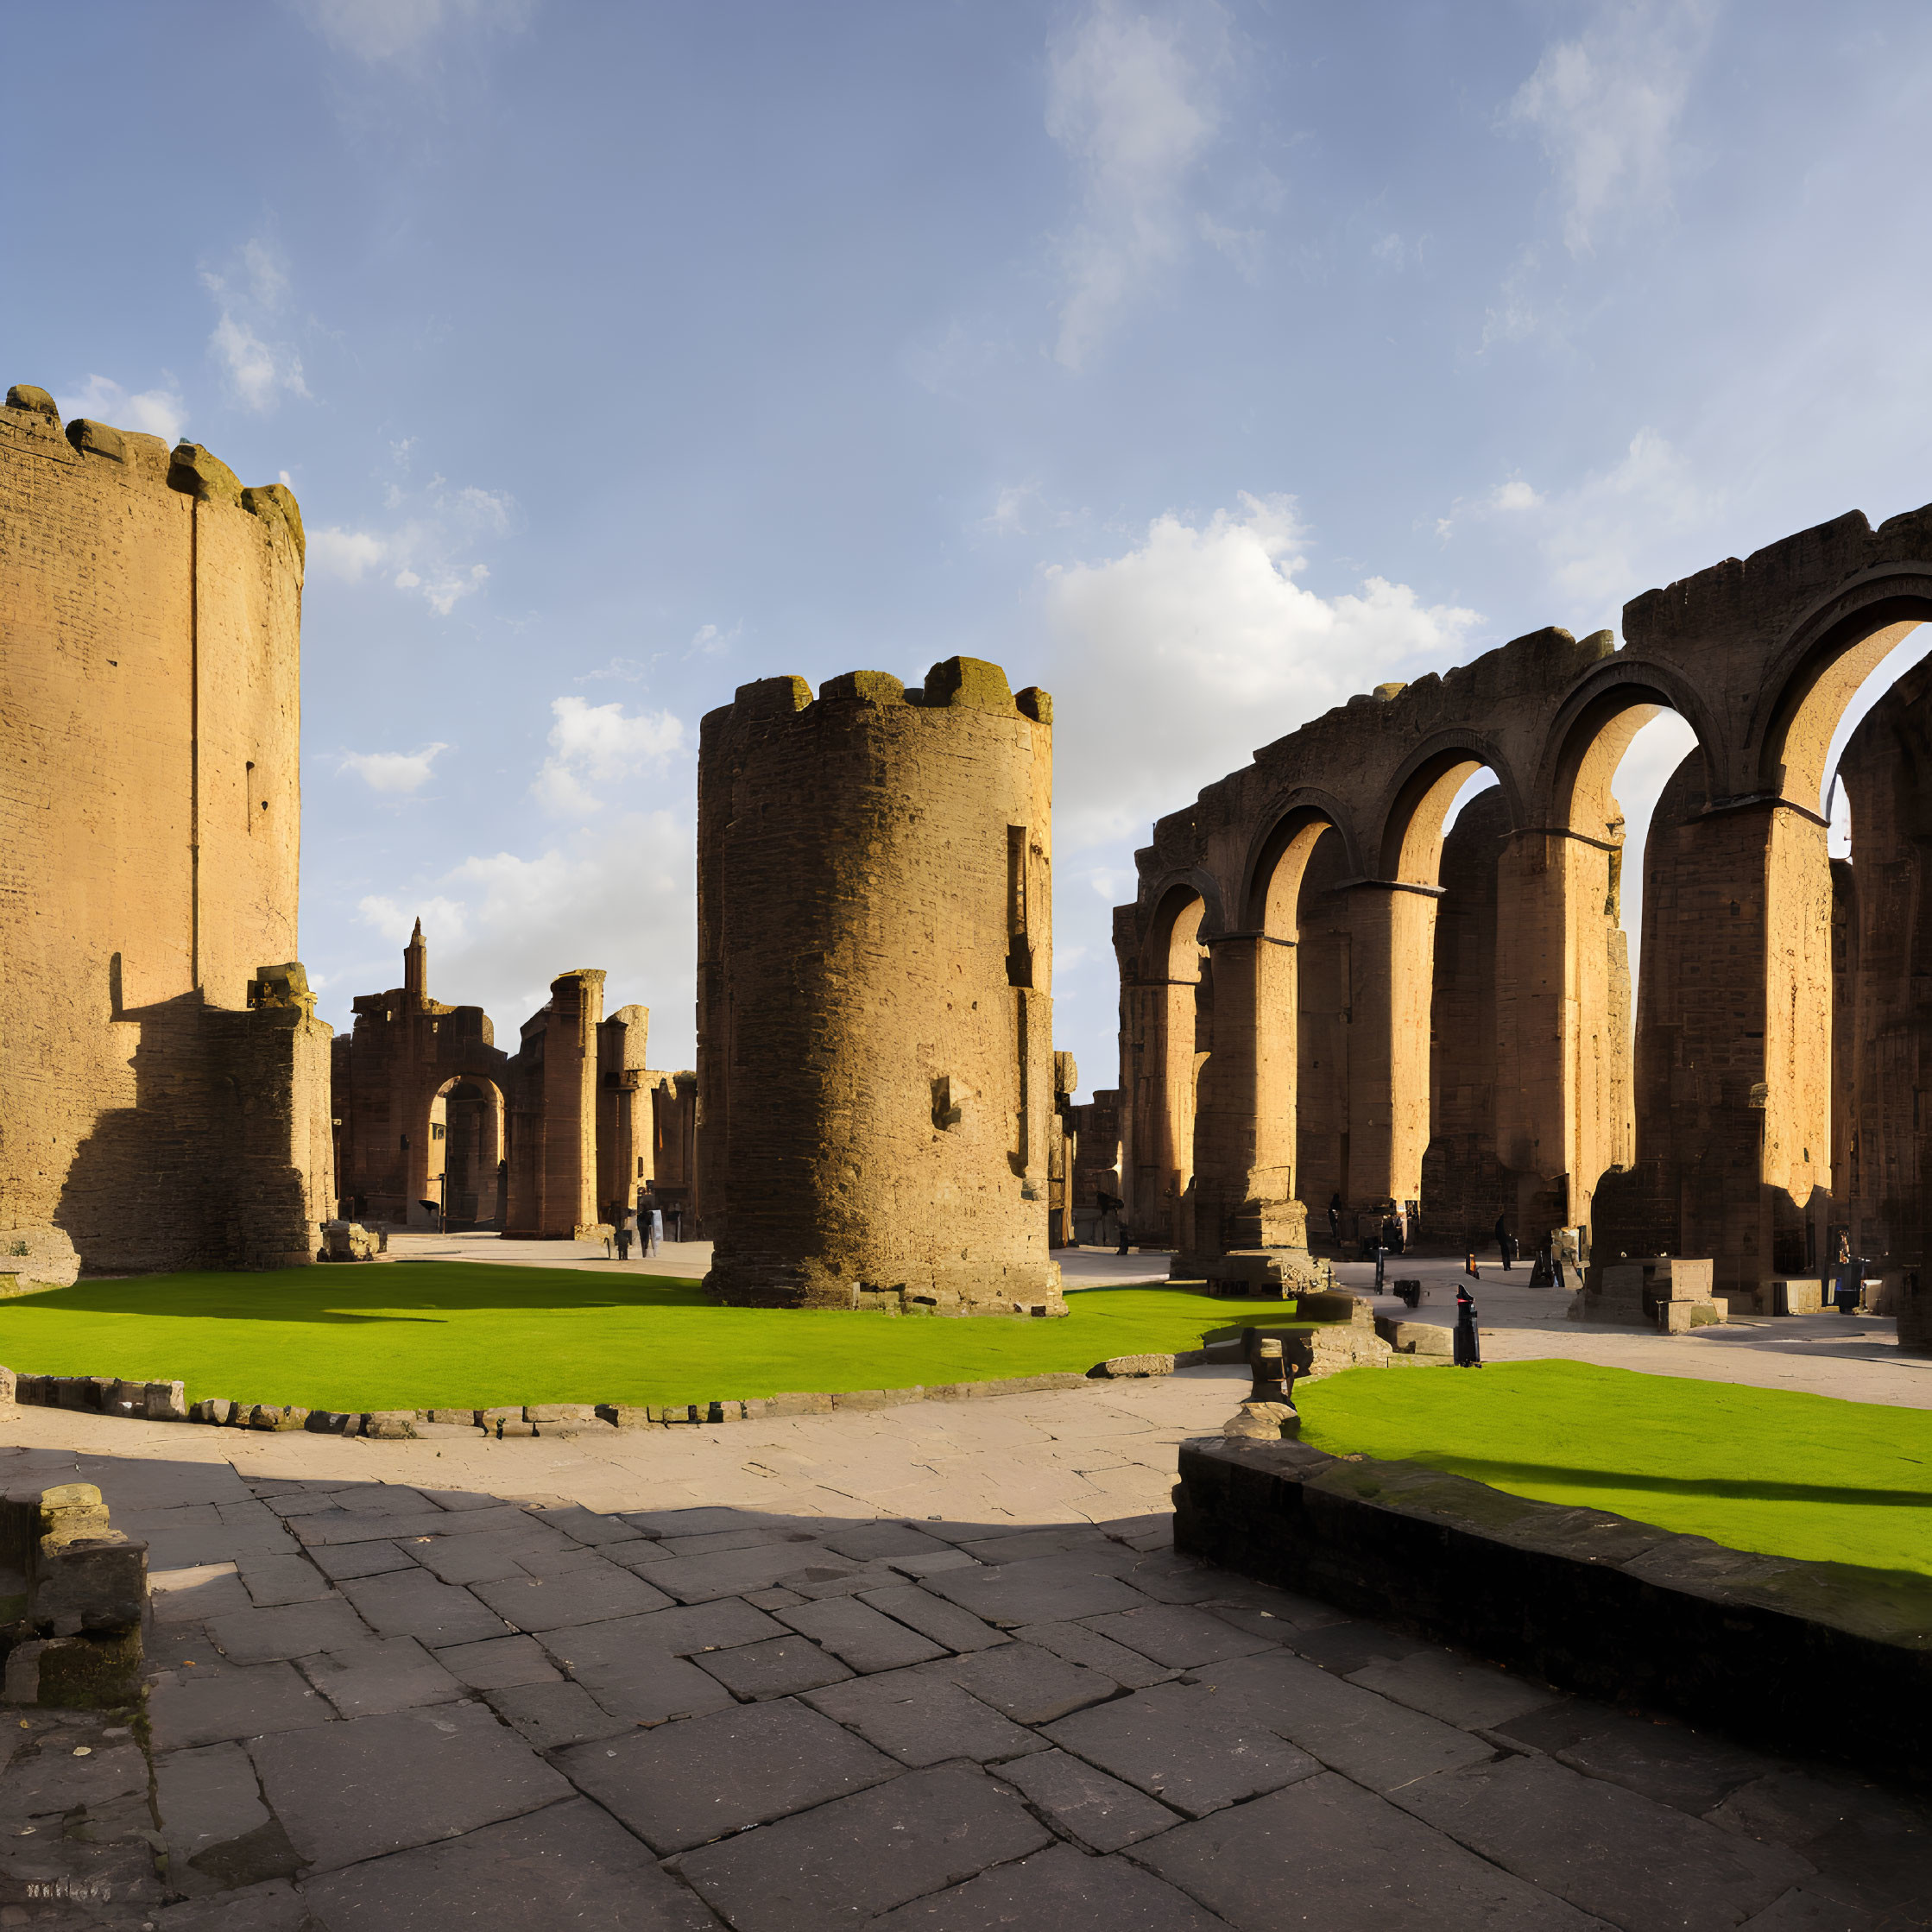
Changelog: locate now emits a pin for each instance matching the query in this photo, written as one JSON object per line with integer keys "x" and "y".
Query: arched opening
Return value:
{"x": 1570, "y": 1120}
{"x": 461, "y": 1173}
{"x": 1168, "y": 1020}
{"x": 1878, "y": 817}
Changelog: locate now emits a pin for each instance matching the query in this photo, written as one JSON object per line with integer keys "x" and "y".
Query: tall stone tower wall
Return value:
{"x": 150, "y": 613}
{"x": 875, "y": 1064}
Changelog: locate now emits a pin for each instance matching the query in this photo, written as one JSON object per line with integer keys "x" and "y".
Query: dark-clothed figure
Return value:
{"x": 1468, "y": 1345}
{"x": 627, "y": 1232}
{"x": 1335, "y": 1218}
{"x": 1504, "y": 1244}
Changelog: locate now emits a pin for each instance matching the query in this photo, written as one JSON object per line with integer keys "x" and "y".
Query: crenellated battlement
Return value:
{"x": 31, "y": 423}
{"x": 954, "y": 683}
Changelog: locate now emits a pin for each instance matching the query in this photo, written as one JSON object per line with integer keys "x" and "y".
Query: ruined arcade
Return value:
{"x": 1323, "y": 997}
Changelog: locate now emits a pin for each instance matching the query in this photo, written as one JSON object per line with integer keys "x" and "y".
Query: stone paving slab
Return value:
{"x": 782, "y": 1668}
{"x": 865, "y": 1855}
{"x": 1343, "y": 1803}
{"x": 921, "y": 1719}
{"x": 861, "y": 1636}
{"x": 723, "y": 1771}
{"x": 1092, "y": 1809}
{"x": 367, "y": 1786}
{"x": 569, "y": 1864}
{"x": 1376, "y": 1867}
{"x": 1178, "y": 1743}
{"x": 1061, "y": 1889}
{"x": 591, "y": 1596}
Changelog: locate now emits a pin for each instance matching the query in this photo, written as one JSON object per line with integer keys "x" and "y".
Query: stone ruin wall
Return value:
{"x": 153, "y": 1112}
{"x": 876, "y": 1060}
{"x": 572, "y": 1116}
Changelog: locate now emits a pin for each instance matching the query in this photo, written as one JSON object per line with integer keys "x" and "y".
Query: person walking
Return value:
{"x": 627, "y": 1232}
{"x": 1469, "y": 1343}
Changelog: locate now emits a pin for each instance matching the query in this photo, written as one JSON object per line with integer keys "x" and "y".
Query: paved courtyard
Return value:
{"x": 934, "y": 1667}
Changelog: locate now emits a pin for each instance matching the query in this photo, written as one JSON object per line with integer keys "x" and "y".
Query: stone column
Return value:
{"x": 1394, "y": 930}
{"x": 567, "y": 1162}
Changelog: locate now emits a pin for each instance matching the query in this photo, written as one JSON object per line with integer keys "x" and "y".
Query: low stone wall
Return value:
{"x": 1797, "y": 1657}
{"x": 73, "y": 1590}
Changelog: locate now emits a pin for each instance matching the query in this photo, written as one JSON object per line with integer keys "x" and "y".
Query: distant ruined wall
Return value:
{"x": 150, "y": 615}
{"x": 875, "y": 1073}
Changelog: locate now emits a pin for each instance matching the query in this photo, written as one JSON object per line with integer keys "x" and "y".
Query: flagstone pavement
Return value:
{"x": 930, "y": 1669}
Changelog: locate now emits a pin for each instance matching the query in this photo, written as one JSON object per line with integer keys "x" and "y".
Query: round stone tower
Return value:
{"x": 875, "y": 1010}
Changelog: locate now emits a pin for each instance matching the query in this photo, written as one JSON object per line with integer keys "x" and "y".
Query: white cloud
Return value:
{"x": 1607, "y": 107}
{"x": 502, "y": 925}
{"x": 395, "y": 920}
{"x": 1180, "y": 657}
{"x": 250, "y": 292}
{"x": 1132, "y": 101}
{"x": 153, "y": 412}
{"x": 598, "y": 744}
{"x": 1607, "y": 535}
{"x": 380, "y": 30}
{"x": 345, "y": 554}
{"x": 393, "y": 771}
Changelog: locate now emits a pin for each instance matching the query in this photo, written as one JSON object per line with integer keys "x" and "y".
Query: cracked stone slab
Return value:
{"x": 1100, "y": 1811}
{"x": 683, "y": 1784}
{"x": 922, "y": 1719}
{"x": 651, "y": 1687}
{"x": 860, "y": 1636}
{"x": 865, "y": 1855}
{"x": 1610, "y": 1852}
{"x": 358, "y": 1789}
{"x": 566, "y": 1865}
{"x": 498, "y": 1663}
{"x": 413, "y": 1604}
{"x": 385, "y": 1673}
{"x": 274, "y": 1906}
{"x": 781, "y": 1668}
{"x": 294, "y": 1630}
{"x": 1062, "y": 1888}
{"x": 1378, "y": 1744}
{"x": 1046, "y": 1589}
{"x": 1686, "y": 1769}
{"x": 341, "y": 1561}
{"x": 1076, "y": 1644}
{"x": 195, "y": 1594}
{"x": 1377, "y": 1866}
{"x": 1026, "y": 1683}
{"x": 580, "y": 1596}
{"x": 891, "y": 1542}
{"x": 1457, "y": 1689}
{"x": 271, "y": 1580}
{"x": 683, "y": 1632}
{"x": 207, "y": 1797}
{"x": 550, "y": 1715}
{"x": 188, "y": 1707}
{"x": 946, "y": 1624}
{"x": 1176, "y": 1636}
{"x": 1182, "y": 1743}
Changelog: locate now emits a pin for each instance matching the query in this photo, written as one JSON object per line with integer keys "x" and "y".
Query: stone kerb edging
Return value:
{"x": 110, "y": 1395}
{"x": 1796, "y": 1656}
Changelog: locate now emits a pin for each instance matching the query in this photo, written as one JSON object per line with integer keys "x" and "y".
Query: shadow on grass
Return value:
{"x": 1496, "y": 1473}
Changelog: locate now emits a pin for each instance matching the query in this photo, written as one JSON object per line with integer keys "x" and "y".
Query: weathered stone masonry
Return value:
{"x": 875, "y": 1066}
{"x": 1279, "y": 966}
{"x": 163, "y": 1095}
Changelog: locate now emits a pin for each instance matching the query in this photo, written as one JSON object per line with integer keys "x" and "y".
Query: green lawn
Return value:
{"x": 1767, "y": 1469}
{"x": 425, "y": 1335}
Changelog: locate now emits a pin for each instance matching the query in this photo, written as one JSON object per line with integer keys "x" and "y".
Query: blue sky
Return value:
{"x": 1203, "y": 362}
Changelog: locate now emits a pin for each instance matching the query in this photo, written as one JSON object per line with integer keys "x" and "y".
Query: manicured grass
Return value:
{"x": 1774, "y": 1470}
{"x": 425, "y": 1335}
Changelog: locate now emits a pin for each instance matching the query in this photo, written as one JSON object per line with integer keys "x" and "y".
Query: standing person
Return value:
{"x": 1468, "y": 1344}
{"x": 1503, "y": 1243}
{"x": 1124, "y": 1231}
{"x": 627, "y": 1232}
{"x": 1335, "y": 1218}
